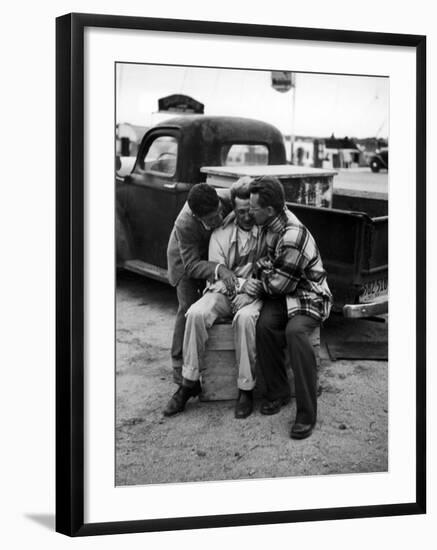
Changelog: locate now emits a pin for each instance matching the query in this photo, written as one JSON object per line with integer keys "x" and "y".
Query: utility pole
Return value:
{"x": 293, "y": 115}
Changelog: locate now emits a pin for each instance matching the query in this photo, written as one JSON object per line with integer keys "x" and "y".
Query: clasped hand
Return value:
{"x": 264, "y": 264}
{"x": 253, "y": 287}
{"x": 240, "y": 301}
{"x": 228, "y": 277}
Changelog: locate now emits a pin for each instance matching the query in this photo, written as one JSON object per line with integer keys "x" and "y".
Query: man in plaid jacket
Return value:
{"x": 296, "y": 299}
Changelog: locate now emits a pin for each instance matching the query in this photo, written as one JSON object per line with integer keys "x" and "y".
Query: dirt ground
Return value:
{"x": 206, "y": 442}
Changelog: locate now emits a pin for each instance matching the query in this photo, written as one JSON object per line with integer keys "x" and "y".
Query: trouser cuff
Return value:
{"x": 246, "y": 387}
{"x": 190, "y": 373}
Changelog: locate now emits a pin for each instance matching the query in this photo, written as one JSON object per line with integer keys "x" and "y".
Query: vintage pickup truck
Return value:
{"x": 351, "y": 231}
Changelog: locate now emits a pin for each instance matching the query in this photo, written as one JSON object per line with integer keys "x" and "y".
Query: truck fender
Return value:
{"x": 124, "y": 248}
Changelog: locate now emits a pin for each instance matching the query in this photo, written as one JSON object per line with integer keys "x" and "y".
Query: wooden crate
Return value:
{"x": 219, "y": 370}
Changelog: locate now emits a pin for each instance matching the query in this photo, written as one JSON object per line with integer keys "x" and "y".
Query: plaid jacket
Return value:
{"x": 294, "y": 267}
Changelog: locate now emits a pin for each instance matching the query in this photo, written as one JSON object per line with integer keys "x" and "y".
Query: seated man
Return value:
{"x": 237, "y": 246}
{"x": 296, "y": 299}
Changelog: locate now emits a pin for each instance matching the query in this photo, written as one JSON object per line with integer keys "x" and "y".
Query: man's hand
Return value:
{"x": 253, "y": 287}
{"x": 264, "y": 263}
{"x": 228, "y": 277}
{"x": 240, "y": 301}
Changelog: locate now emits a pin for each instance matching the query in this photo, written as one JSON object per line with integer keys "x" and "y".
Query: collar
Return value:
{"x": 278, "y": 223}
{"x": 234, "y": 235}
{"x": 203, "y": 224}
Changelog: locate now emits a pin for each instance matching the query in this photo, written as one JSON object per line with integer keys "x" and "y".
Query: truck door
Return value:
{"x": 151, "y": 203}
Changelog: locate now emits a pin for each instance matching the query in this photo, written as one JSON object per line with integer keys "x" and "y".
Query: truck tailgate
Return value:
{"x": 354, "y": 249}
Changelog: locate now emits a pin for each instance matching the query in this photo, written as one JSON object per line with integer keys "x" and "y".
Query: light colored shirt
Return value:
{"x": 236, "y": 249}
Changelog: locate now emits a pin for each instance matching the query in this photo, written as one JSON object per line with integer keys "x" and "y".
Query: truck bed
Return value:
{"x": 353, "y": 241}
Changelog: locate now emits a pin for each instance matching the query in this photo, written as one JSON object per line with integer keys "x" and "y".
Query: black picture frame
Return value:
{"x": 70, "y": 273}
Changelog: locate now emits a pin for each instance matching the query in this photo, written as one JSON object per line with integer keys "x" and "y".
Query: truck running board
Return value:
{"x": 143, "y": 268}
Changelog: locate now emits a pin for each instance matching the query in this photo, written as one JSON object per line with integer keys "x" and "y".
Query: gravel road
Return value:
{"x": 206, "y": 442}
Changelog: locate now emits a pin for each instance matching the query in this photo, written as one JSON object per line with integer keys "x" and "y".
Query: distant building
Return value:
{"x": 128, "y": 138}
{"x": 179, "y": 103}
{"x": 341, "y": 153}
{"x": 333, "y": 152}
{"x": 305, "y": 151}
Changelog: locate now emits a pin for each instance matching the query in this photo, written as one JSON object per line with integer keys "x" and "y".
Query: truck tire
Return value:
{"x": 374, "y": 165}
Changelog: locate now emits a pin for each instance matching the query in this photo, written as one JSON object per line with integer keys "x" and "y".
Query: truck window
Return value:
{"x": 247, "y": 154}
{"x": 162, "y": 155}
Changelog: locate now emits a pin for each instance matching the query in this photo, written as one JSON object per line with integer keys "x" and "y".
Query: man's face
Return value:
{"x": 242, "y": 213}
{"x": 213, "y": 219}
{"x": 260, "y": 214}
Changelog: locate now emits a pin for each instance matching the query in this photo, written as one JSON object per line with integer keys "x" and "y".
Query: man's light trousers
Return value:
{"x": 201, "y": 316}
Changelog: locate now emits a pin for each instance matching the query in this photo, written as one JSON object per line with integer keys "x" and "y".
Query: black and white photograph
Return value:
{"x": 217, "y": 285}
{"x": 251, "y": 300}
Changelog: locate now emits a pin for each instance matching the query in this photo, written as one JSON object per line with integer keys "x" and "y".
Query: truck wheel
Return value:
{"x": 374, "y": 166}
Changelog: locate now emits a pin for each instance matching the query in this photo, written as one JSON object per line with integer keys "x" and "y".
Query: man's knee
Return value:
{"x": 293, "y": 331}
{"x": 245, "y": 317}
{"x": 196, "y": 312}
{"x": 299, "y": 329}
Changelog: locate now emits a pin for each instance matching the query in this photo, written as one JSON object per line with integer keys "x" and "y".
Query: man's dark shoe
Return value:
{"x": 244, "y": 405}
{"x": 179, "y": 399}
{"x": 301, "y": 431}
{"x": 273, "y": 407}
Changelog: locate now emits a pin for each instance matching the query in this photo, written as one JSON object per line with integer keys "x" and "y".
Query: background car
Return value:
{"x": 379, "y": 160}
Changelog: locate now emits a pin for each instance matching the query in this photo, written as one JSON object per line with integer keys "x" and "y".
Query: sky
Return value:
{"x": 343, "y": 105}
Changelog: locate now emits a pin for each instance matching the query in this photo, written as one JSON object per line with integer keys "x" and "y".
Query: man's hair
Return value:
{"x": 270, "y": 192}
{"x": 240, "y": 189}
{"x": 203, "y": 199}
